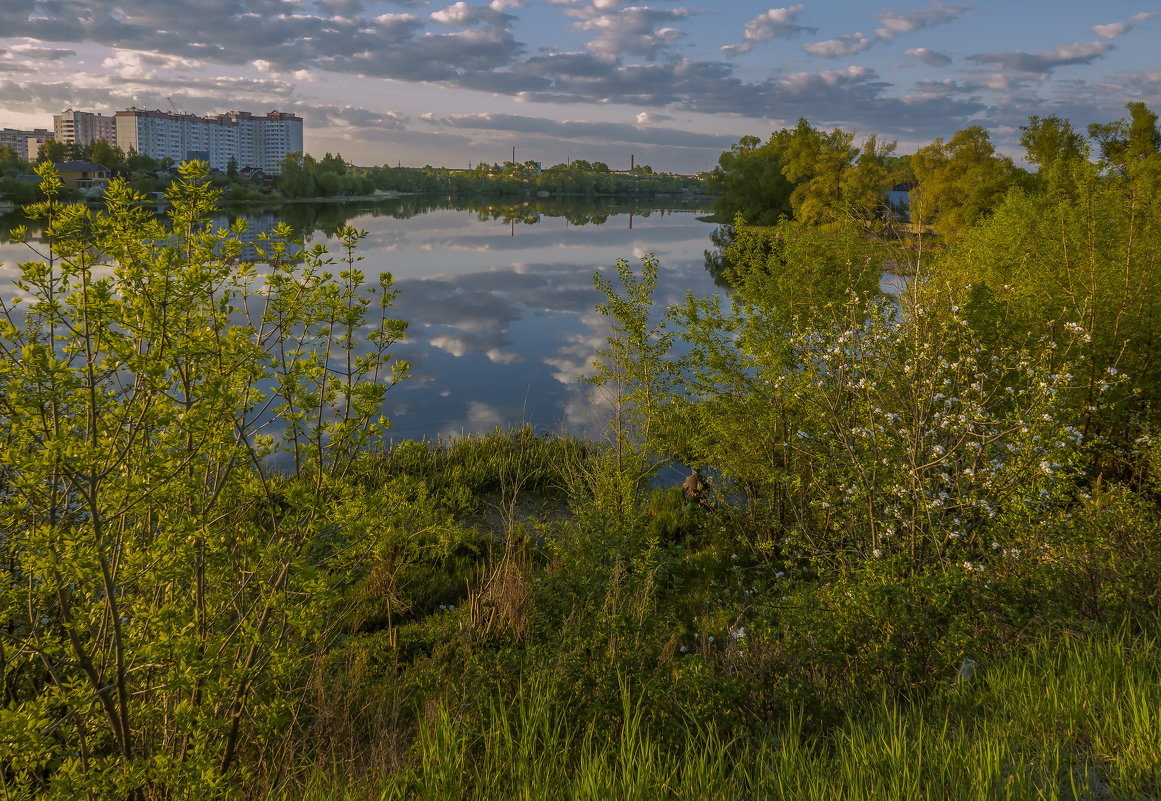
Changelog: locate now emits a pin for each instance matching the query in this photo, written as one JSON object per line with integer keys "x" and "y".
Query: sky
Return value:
{"x": 672, "y": 84}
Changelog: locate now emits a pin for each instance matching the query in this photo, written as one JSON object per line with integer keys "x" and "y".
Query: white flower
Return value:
{"x": 876, "y": 553}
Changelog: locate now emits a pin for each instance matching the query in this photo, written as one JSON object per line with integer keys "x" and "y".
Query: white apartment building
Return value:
{"x": 250, "y": 140}
{"x": 84, "y": 127}
{"x": 25, "y": 144}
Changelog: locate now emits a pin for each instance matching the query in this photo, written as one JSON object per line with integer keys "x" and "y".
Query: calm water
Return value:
{"x": 500, "y": 299}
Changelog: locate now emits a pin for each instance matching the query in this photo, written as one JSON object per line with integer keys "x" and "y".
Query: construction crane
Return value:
{"x": 173, "y": 105}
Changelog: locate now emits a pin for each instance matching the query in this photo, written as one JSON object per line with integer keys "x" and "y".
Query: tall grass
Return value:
{"x": 1075, "y": 717}
{"x": 487, "y": 462}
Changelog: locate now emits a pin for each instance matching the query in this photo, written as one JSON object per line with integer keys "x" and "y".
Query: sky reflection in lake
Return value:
{"x": 502, "y": 316}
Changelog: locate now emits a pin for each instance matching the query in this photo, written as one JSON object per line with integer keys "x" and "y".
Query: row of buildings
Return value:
{"x": 257, "y": 142}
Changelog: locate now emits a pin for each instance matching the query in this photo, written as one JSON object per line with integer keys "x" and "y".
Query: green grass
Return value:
{"x": 1077, "y": 716}
{"x": 461, "y": 470}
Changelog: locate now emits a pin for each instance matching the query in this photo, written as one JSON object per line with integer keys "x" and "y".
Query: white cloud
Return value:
{"x": 931, "y": 58}
{"x": 937, "y": 14}
{"x": 1110, "y": 31}
{"x": 777, "y": 23}
{"x": 842, "y": 46}
{"x": 635, "y": 30}
{"x": 649, "y": 118}
{"x": 457, "y": 14}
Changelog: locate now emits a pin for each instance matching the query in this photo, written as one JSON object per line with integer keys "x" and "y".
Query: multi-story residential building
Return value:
{"x": 252, "y": 141}
{"x": 24, "y": 144}
{"x": 84, "y": 127}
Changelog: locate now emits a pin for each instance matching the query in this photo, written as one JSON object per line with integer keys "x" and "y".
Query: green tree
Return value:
{"x": 297, "y": 176}
{"x": 53, "y": 152}
{"x": 164, "y": 590}
{"x": 749, "y": 180}
{"x": 101, "y": 152}
{"x": 1125, "y": 142}
{"x": 960, "y": 180}
{"x": 1049, "y": 140}
{"x": 633, "y": 378}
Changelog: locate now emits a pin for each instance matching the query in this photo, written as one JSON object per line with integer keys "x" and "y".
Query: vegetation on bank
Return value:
{"x": 302, "y": 176}
{"x": 921, "y": 555}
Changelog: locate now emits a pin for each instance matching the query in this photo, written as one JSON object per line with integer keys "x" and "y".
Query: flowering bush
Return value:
{"x": 898, "y": 435}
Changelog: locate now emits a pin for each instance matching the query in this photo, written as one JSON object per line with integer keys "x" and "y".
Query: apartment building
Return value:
{"x": 84, "y": 127}
{"x": 252, "y": 141}
{"x": 25, "y": 144}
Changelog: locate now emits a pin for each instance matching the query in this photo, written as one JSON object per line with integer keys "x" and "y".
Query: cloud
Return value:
{"x": 355, "y": 119}
{"x": 461, "y": 14}
{"x": 892, "y": 25}
{"x": 1115, "y": 29}
{"x": 135, "y": 65}
{"x": 1044, "y": 62}
{"x": 586, "y": 131}
{"x": 930, "y": 90}
{"x": 649, "y": 118}
{"x": 937, "y": 14}
{"x": 777, "y": 23}
{"x": 1112, "y": 30}
{"x": 635, "y": 30}
{"x": 931, "y": 58}
{"x": 30, "y": 53}
{"x": 842, "y": 46}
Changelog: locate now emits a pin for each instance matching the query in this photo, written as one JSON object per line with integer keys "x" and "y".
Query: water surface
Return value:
{"x": 499, "y": 298}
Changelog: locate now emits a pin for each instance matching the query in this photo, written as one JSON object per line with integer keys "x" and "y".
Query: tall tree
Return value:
{"x": 960, "y": 180}
{"x": 1123, "y": 142}
{"x": 750, "y": 181}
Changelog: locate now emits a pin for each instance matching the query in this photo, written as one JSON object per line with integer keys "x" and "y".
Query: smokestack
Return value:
{"x": 632, "y": 162}
{"x": 513, "y": 154}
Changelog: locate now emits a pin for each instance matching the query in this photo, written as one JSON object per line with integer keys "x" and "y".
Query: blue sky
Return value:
{"x": 673, "y": 83}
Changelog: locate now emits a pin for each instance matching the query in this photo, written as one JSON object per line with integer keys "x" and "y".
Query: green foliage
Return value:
{"x": 1124, "y": 143}
{"x": 633, "y": 379}
{"x": 1051, "y": 140}
{"x": 750, "y": 182}
{"x": 164, "y": 592}
{"x": 1084, "y": 261}
{"x": 960, "y": 181}
{"x": 813, "y": 175}
{"x": 576, "y": 178}
{"x": 796, "y": 271}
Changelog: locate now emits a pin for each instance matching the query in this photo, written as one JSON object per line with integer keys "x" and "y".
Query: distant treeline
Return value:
{"x": 304, "y": 176}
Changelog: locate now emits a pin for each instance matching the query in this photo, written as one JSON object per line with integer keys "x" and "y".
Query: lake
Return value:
{"x": 499, "y": 297}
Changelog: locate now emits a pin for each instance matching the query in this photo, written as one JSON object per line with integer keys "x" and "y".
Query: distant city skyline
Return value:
{"x": 417, "y": 82}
